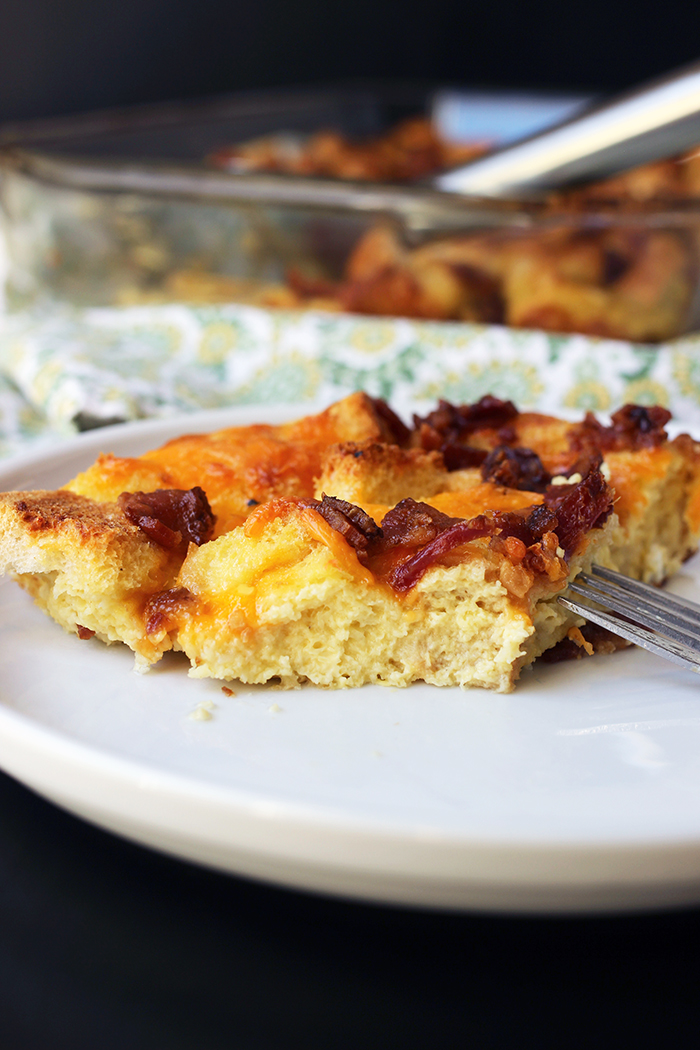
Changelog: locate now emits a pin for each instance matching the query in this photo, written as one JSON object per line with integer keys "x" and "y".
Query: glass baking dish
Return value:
{"x": 123, "y": 209}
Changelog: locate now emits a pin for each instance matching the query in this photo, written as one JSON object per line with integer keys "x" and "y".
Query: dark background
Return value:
{"x": 105, "y": 945}
{"x": 60, "y": 56}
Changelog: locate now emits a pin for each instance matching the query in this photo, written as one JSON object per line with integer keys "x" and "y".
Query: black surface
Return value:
{"x": 106, "y": 945}
{"x": 60, "y": 56}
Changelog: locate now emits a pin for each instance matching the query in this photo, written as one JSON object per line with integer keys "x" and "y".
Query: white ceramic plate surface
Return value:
{"x": 580, "y": 791}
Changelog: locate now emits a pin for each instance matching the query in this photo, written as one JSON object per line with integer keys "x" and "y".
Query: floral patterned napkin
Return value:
{"x": 21, "y": 426}
{"x": 64, "y": 369}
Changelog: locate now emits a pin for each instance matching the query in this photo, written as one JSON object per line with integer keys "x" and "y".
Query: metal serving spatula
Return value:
{"x": 654, "y": 121}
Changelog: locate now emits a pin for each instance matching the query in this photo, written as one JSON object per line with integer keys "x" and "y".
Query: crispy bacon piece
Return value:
{"x": 408, "y": 573}
{"x": 447, "y": 428}
{"x": 172, "y": 518}
{"x": 590, "y": 459}
{"x": 425, "y": 535}
{"x": 529, "y": 529}
{"x": 412, "y": 524}
{"x": 631, "y": 427}
{"x": 398, "y": 428}
{"x": 353, "y": 523}
{"x": 516, "y": 468}
{"x": 579, "y": 508}
{"x": 452, "y": 421}
{"x": 459, "y": 457}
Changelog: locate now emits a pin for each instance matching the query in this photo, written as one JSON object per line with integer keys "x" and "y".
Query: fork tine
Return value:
{"x": 659, "y": 596}
{"x": 677, "y": 653}
{"x": 678, "y": 624}
{"x": 659, "y": 622}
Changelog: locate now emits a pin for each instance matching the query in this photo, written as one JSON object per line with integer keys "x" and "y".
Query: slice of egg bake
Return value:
{"x": 348, "y": 548}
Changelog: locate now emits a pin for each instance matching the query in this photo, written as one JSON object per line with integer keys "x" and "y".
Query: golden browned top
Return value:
{"x": 90, "y": 543}
{"x": 50, "y": 511}
{"x": 239, "y": 467}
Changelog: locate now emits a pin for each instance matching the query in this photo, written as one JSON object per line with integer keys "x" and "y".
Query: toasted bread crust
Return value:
{"x": 85, "y": 564}
{"x": 380, "y": 473}
{"x": 52, "y": 511}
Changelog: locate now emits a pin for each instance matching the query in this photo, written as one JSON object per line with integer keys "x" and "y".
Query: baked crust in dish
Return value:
{"x": 348, "y": 548}
{"x": 629, "y": 280}
{"x": 411, "y": 149}
{"x": 604, "y": 260}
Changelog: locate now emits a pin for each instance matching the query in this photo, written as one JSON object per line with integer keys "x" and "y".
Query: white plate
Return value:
{"x": 580, "y": 791}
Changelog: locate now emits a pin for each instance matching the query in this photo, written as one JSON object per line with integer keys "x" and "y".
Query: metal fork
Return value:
{"x": 662, "y": 623}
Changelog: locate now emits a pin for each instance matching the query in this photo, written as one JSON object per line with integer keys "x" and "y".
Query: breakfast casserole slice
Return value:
{"x": 348, "y": 548}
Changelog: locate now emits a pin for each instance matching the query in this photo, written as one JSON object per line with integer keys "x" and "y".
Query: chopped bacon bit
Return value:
{"x": 397, "y": 427}
{"x": 458, "y": 420}
{"x": 516, "y": 579}
{"x": 227, "y": 691}
{"x": 84, "y": 632}
{"x": 631, "y": 427}
{"x": 515, "y": 549}
{"x": 579, "y": 508}
{"x": 539, "y": 559}
{"x": 488, "y": 411}
{"x": 599, "y": 639}
{"x": 507, "y": 434}
{"x": 459, "y": 457}
{"x": 528, "y": 528}
{"x": 412, "y": 524}
{"x": 542, "y": 558}
{"x": 448, "y": 426}
{"x": 172, "y": 518}
{"x": 355, "y": 526}
{"x": 589, "y": 460}
{"x": 407, "y": 574}
{"x": 516, "y": 468}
